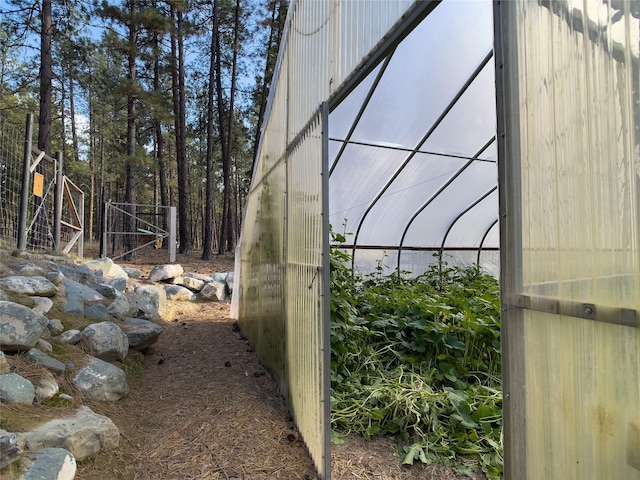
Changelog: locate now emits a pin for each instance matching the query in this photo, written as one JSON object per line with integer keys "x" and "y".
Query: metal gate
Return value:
{"x": 129, "y": 227}
{"x": 51, "y": 209}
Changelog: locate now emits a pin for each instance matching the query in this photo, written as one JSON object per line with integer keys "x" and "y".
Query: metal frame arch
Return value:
{"x": 433, "y": 127}
{"x": 484, "y": 237}
{"x": 436, "y": 194}
{"x": 460, "y": 215}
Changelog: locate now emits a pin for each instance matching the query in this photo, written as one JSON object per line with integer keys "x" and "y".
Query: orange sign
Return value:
{"x": 38, "y": 183}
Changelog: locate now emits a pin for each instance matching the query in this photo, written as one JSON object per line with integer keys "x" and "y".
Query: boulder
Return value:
{"x": 55, "y": 277}
{"x": 102, "y": 381}
{"x": 106, "y": 290}
{"x": 84, "y": 434}
{"x": 10, "y": 447}
{"x": 42, "y": 305}
{"x": 55, "y": 326}
{"x": 4, "y": 365}
{"x": 29, "y": 270}
{"x": 70, "y": 337}
{"x": 16, "y": 389}
{"x": 132, "y": 272}
{"x": 20, "y": 327}
{"x": 192, "y": 283}
{"x": 178, "y": 293}
{"x": 96, "y": 311}
{"x": 38, "y": 285}
{"x": 44, "y": 345}
{"x": 119, "y": 308}
{"x": 51, "y": 463}
{"x": 214, "y": 291}
{"x": 79, "y": 294}
{"x": 106, "y": 341}
{"x": 79, "y": 273}
{"x": 165, "y": 272}
{"x": 152, "y": 301}
{"x": 37, "y": 356}
{"x": 106, "y": 267}
{"x": 141, "y": 333}
{"x": 229, "y": 279}
{"x": 118, "y": 283}
{"x": 218, "y": 276}
{"x": 46, "y": 389}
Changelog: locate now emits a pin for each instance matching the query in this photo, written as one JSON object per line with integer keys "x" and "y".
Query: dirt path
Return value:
{"x": 201, "y": 406}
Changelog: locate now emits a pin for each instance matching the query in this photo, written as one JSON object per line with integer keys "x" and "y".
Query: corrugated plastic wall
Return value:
{"x": 571, "y": 241}
{"x": 282, "y": 287}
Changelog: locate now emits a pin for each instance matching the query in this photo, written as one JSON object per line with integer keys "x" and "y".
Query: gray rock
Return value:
{"x": 70, "y": 337}
{"x": 20, "y": 327}
{"x": 102, "y": 381}
{"x": 132, "y": 272}
{"x": 178, "y": 293}
{"x": 141, "y": 333}
{"x": 47, "y": 388}
{"x": 55, "y": 326}
{"x": 16, "y": 389}
{"x": 4, "y": 365}
{"x": 106, "y": 267}
{"x": 10, "y": 448}
{"x": 164, "y": 272}
{"x": 55, "y": 277}
{"x": 228, "y": 280}
{"x": 152, "y": 301}
{"x": 106, "y": 341}
{"x": 118, "y": 283}
{"x": 28, "y": 285}
{"x": 44, "y": 345}
{"x": 96, "y": 311}
{"x": 37, "y": 356}
{"x": 105, "y": 290}
{"x": 199, "y": 276}
{"x": 51, "y": 463}
{"x": 79, "y": 294}
{"x": 214, "y": 291}
{"x": 29, "y": 270}
{"x": 195, "y": 284}
{"x": 3, "y": 296}
{"x": 42, "y": 305}
{"x": 84, "y": 434}
{"x": 79, "y": 273}
{"x": 119, "y": 308}
{"x": 218, "y": 276}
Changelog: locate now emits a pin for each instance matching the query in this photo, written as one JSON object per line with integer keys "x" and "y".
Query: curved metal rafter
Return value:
{"x": 436, "y": 194}
{"x": 435, "y": 125}
{"x": 484, "y": 237}
{"x": 365, "y": 103}
{"x": 460, "y": 215}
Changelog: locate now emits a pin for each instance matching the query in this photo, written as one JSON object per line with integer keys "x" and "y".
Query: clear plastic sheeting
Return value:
{"x": 413, "y": 146}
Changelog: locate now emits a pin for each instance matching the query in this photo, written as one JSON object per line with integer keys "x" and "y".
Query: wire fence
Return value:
{"x": 39, "y": 207}
{"x": 11, "y": 162}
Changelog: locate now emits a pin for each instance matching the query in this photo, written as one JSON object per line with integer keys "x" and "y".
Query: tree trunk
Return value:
{"x": 46, "y": 76}
{"x": 210, "y": 213}
{"x": 177, "y": 73}
{"x": 130, "y": 170}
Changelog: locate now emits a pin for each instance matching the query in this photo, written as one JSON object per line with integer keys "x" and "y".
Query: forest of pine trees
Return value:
{"x": 150, "y": 101}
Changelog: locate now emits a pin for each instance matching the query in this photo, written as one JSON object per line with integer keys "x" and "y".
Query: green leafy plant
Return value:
{"x": 418, "y": 359}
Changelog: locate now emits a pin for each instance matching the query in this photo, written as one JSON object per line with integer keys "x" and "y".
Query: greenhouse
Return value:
{"x": 498, "y": 134}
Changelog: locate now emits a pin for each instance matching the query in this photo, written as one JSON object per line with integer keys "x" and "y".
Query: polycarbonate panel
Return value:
{"x": 449, "y": 43}
{"x": 356, "y": 180}
{"x": 413, "y": 188}
{"x": 358, "y": 27}
{"x": 262, "y": 272}
{"x": 470, "y": 229}
{"x": 571, "y": 270}
{"x": 304, "y": 332}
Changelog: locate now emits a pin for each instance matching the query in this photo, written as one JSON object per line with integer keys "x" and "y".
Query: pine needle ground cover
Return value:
{"x": 418, "y": 359}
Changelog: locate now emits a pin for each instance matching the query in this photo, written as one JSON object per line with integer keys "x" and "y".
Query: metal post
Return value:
{"x": 103, "y": 243}
{"x": 81, "y": 215}
{"x": 57, "y": 202}
{"x": 24, "y": 194}
{"x": 172, "y": 234}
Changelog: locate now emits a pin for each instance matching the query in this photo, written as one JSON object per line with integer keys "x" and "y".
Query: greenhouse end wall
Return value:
{"x": 570, "y": 200}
